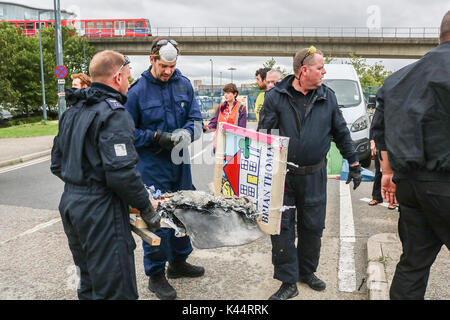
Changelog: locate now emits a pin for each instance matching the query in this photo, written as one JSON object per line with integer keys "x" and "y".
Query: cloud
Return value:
{"x": 255, "y": 13}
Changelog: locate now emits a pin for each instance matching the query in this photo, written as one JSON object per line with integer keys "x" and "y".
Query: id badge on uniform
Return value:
{"x": 121, "y": 150}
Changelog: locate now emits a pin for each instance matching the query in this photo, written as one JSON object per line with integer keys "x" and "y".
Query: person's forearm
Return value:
{"x": 384, "y": 163}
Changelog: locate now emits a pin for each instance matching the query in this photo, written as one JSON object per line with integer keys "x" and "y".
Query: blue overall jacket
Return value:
{"x": 166, "y": 106}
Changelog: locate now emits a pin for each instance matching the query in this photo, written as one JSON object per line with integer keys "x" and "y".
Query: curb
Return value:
{"x": 25, "y": 158}
{"x": 377, "y": 283}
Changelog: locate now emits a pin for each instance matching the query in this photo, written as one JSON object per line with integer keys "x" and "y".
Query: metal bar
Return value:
{"x": 44, "y": 105}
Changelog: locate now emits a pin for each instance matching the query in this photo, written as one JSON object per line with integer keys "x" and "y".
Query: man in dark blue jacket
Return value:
{"x": 166, "y": 115}
{"x": 94, "y": 155}
{"x": 301, "y": 108}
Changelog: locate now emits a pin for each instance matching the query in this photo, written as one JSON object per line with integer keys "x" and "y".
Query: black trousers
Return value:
{"x": 97, "y": 226}
{"x": 423, "y": 227}
{"x": 376, "y": 190}
{"x": 307, "y": 194}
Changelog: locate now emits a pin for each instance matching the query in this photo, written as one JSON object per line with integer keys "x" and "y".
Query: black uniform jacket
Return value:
{"x": 310, "y": 137}
{"x": 95, "y": 144}
{"x": 412, "y": 118}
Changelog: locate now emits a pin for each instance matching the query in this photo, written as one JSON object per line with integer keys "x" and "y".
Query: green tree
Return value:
{"x": 20, "y": 73}
{"x": 369, "y": 75}
{"x": 9, "y": 42}
{"x": 271, "y": 64}
{"x": 77, "y": 52}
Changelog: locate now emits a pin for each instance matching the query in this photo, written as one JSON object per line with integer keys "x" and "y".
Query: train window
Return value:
{"x": 99, "y": 25}
{"x": 131, "y": 25}
{"x": 108, "y": 25}
{"x": 79, "y": 25}
{"x": 140, "y": 24}
{"x": 12, "y": 23}
{"x": 90, "y": 25}
{"x": 21, "y": 25}
{"x": 30, "y": 26}
{"x": 36, "y": 25}
{"x": 50, "y": 24}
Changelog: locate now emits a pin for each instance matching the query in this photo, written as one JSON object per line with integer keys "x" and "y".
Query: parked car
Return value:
{"x": 5, "y": 115}
{"x": 344, "y": 81}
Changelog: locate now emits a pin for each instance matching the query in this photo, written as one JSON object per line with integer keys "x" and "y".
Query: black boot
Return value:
{"x": 158, "y": 284}
{"x": 286, "y": 291}
{"x": 178, "y": 269}
{"x": 313, "y": 282}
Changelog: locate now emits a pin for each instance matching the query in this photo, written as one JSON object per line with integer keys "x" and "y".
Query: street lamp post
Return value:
{"x": 44, "y": 105}
{"x": 231, "y": 69}
{"x": 212, "y": 81}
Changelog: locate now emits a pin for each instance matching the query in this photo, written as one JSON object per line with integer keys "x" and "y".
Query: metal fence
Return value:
{"x": 208, "y": 99}
{"x": 329, "y": 32}
{"x": 355, "y": 32}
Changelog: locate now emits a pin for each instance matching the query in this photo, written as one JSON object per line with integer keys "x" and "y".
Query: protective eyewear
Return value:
{"x": 161, "y": 43}
{"x": 311, "y": 51}
{"x": 127, "y": 61}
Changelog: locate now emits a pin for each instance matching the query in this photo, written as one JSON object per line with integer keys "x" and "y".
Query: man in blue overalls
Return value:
{"x": 165, "y": 112}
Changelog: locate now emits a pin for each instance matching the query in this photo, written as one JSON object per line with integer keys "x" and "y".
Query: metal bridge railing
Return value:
{"x": 356, "y": 32}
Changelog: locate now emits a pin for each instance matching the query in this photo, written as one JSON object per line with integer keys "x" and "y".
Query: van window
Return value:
{"x": 347, "y": 92}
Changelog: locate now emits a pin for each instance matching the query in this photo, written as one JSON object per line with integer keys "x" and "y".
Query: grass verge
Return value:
{"x": 43, "y": 128}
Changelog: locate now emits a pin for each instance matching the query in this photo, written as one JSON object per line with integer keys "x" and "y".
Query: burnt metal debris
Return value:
{"x": 207, "y": 203}
{"x": 211, "y": 221}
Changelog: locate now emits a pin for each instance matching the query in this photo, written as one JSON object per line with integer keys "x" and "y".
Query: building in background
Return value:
{"x": 15, "y": 11}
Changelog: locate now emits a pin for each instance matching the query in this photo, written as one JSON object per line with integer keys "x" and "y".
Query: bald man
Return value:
{"x": 94, "y": 155}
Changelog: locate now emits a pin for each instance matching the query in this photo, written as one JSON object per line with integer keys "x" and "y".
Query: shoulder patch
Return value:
{"x": 114, "y": 104}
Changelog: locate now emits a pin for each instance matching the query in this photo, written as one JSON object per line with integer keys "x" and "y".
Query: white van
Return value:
{"x": 344, "y": 81}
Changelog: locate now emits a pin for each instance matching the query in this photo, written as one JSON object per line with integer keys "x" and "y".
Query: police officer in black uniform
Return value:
{"x": 411, "y": 127}
{"x": 94, "y": 155}
{"x": 306, "y": 111}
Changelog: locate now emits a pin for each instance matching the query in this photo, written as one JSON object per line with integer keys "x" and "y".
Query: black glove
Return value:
{"x": 355, "y": 175}
{"x": 151, "y": 218}
{"x": 164, "y": 139}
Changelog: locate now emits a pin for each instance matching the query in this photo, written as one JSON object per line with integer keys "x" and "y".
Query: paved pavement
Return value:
{"x": 383, "y": 250}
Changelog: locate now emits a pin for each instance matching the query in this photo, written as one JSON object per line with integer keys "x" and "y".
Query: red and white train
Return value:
{"x": 92, "y": 27}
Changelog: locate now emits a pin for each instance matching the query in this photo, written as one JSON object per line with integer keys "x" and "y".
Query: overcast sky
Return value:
{"x": 256, "y": 13}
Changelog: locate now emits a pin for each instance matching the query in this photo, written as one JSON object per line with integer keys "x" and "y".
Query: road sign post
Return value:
{"x": 59, "y": 57}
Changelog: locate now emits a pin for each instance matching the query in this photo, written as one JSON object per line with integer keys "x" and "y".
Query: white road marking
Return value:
{"x": 53, "y": 221}
{"x": 384, "y": 204}
{"x": 199, "y": 153}
{"x": 33, "y": 230}
{"x": 346, "y": 273}
{"x": 24, "y": 164}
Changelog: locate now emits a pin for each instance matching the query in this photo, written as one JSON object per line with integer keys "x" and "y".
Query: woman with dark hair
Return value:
{"x": 231, "y": 111}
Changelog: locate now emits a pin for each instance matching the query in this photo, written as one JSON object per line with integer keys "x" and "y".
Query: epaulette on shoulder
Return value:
{"x": 114, "y": 104}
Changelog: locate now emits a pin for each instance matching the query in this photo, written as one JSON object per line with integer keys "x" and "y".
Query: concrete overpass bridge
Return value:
{"x": 404, "y": 43}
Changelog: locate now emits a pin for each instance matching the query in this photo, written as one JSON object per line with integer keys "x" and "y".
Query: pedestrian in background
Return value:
{"x": 80, "y": 80}
{"x": 411, "y": 128}
{"x": 272, "y": 77}
{"x": 376, "y": 188}
{"x": 231, "y": 110}
{"x": 165, "y": 113}
{"x": 260, "y": 75}
{"x": 94, "y": 155}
